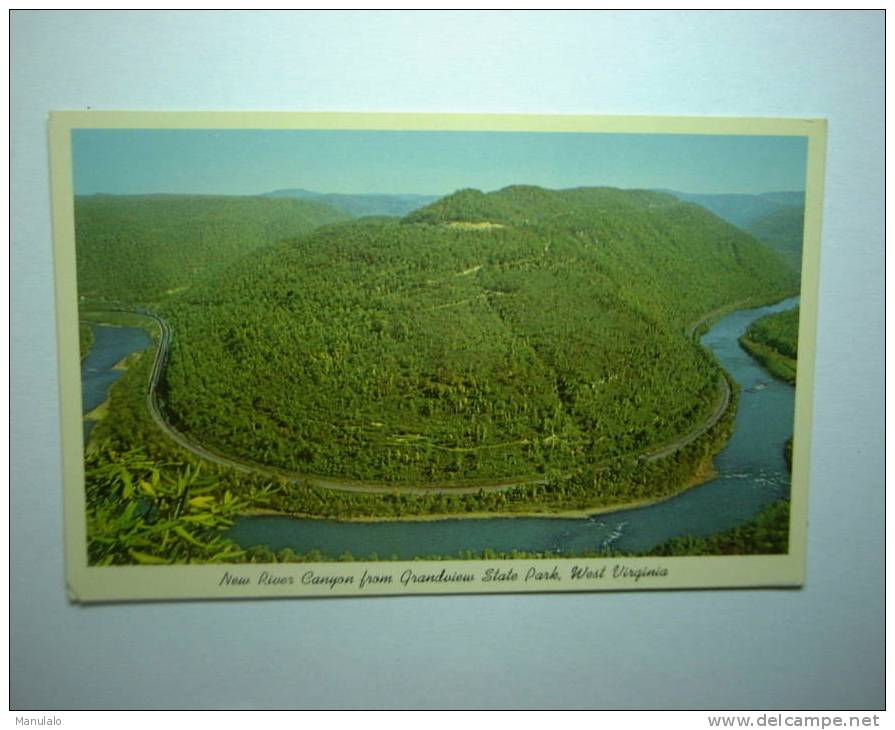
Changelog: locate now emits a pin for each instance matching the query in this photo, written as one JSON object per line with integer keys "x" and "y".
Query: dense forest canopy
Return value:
{"x": 782, "y": 231}
{"x": 484, "y": 337}
{"x": 774, "y": 341}
{"x": 145, "y": 248}
{"x": 775, "y": 219}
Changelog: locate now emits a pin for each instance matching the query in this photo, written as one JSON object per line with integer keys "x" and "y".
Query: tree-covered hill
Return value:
{"x": 774, "y": 341}
{"x": 141, "y": 249}
{"x": 672, "y": 259}
{"x": 775, "y": 219}
{"x": 782, "y": 231}
{"x": 485, "y": 337}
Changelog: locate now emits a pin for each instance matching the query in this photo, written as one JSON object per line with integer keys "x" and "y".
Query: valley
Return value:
{"x": 527, "y": 351}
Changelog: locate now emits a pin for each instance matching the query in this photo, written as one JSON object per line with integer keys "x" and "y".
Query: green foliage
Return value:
{"x": 151, "y": 513}
{"x": 117, "y": 529}
{"x": 775, "y": 219}
{"x": 765, "y": 534}
{"x": 117, "y": 318}
{"x": 552, "y": 341}
{"x": 620, "y": 481}
{"x": 774, "y": 342}
{"x": 522, "y": 336}
{"x": 127, "y": 421}
{"x": 85, "y": 339}
{"x": 779, "y": 331}
{"x": 142, "y": 249}
{"x": 782, "y": 231}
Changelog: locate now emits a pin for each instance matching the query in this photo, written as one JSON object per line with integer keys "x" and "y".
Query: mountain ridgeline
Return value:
{"x": 672, "y": 260}
{"x": 775, "y": 219}
{"x": 516, "y": 335}
{"x": 743, "y": 209}
{"x": 782, "y": 231}
{"x": 360, "y": 205}
{"x": 142, "y": 249}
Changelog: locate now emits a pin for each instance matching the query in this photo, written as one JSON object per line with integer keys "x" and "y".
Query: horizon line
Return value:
{"x": 269, "y": 193}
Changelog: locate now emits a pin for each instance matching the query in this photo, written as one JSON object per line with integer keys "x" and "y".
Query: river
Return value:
{"x": 98, "y": 371}
{"x": 751, "y": 474}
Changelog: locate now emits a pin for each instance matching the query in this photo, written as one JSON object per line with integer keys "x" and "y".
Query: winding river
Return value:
{"x": 751, "y": 474}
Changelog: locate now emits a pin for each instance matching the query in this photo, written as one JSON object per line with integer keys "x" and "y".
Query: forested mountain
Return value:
{"x": 776, "y": 219}
{"x": 358, "y": 206}
{"x": 783, "y": 231}
{"x": 484, "y": 337}
{"x": 671, "y": 259}
{"x": 140, "y": 249}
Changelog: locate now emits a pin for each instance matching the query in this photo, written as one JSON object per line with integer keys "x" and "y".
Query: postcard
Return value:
{"x": 371, "y": 354}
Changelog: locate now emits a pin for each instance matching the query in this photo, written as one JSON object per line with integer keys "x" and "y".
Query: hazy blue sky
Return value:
{"x": 239, "y": 162}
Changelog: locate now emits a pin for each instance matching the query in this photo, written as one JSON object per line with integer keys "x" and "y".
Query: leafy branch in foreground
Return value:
{"x": 142, "y": 511}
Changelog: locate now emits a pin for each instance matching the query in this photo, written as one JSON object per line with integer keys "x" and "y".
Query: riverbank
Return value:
{"x": 85, "y": 339}
{"x": 656, "y": 453}
{"x": 775, "y": 362}
{"x": 704, "y": 473}
{"x": 765, "y": 533}
{"x": 774, "y": 342}
{"x": 100, "y": 411}
{"x": 520, "y": 496}
{"x": 705, "y": 503}
{"x": 705, "y": 323}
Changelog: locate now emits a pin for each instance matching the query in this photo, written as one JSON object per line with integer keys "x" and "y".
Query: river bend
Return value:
{"x": 751, "y": 474}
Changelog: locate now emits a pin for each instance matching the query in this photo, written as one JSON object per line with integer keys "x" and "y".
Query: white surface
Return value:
{"x": 820, "y": 647}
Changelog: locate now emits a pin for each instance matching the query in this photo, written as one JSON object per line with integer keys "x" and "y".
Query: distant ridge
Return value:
{"x": 743, "y": 209}
{"x": 783, "y": 231}
{"x": 360, "y": 205}
{"x": 792, "y": 198}
{"x": 145, "y": 248}
{"x": 776, "y": 218}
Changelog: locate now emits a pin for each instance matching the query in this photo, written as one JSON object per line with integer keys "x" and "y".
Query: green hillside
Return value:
{"x": 85, "y": 339}
{"x": 782, "y": 231}
{"x": 141, "y": 249}
{"x": 670, "y": 259}
{"x": 491, "y": 337}
{"x": 774, "y": 342}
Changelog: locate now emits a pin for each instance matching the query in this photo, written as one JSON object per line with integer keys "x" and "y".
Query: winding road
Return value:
{"x": 248, "y": 467}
